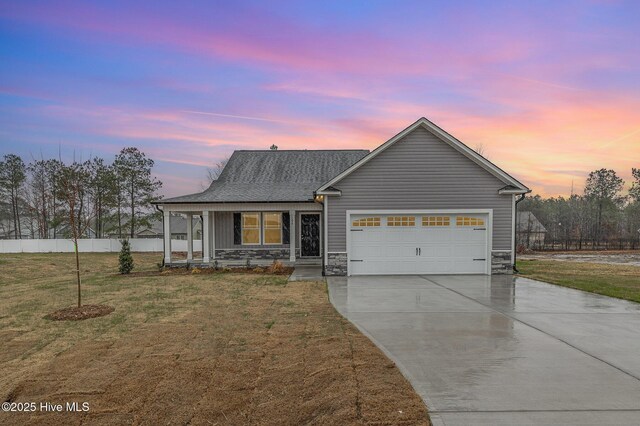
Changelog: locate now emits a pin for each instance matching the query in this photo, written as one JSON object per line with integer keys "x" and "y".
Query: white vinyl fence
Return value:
{"x": 93, "y": 245}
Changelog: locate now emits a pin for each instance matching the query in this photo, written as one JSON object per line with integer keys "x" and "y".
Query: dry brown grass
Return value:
{"x": 196, "y": 348}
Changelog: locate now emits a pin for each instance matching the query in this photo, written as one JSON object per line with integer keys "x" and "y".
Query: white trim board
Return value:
{"x": 513, "y": 229}
{"x": 445, "y": 137}
{"x": 326, "y": 230}
{"x": 488, "y": 212}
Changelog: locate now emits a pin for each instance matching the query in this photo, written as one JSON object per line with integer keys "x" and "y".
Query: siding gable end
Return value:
{"x": 508, "y": 181}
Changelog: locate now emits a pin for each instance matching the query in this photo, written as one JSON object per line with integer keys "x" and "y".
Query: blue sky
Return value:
{"x": 551, "y": 90}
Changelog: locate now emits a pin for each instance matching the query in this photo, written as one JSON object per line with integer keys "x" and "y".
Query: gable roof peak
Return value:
{"x": 444, "y": 137}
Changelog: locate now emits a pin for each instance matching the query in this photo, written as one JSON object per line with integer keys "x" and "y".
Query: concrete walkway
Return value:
{"x": 501, "y": 350}
{"x": 307, "y": 273}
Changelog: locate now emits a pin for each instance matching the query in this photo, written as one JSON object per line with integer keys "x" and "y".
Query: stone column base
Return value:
{"x": 501, "y": 262}
{"x": 336, "y": 264}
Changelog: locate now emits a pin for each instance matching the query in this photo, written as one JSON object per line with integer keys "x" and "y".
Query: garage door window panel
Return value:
{"x": 366, "y": 222}
{"x": 469, "y": 221}
{"x": 401, "y": 221}
{"x": 436, "y": 221}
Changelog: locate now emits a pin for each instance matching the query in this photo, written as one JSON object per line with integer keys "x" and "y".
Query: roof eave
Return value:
{"x": 236, "y": 202}
{"x": 329, "y": 191}
{"x": 514, "y": 191}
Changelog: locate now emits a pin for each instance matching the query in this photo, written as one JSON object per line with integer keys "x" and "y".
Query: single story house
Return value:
{"x": 530, "y": 231}
{"x": 420, "y": 203}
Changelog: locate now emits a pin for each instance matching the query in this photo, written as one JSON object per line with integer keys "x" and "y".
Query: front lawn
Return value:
{"x": 621, "y": 281}
{"x": 188, "y": 348}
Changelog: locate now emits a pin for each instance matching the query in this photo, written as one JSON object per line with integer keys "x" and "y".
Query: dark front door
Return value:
{"x": 309, "y": 235}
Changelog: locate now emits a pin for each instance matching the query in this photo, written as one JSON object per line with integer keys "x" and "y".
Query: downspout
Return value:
{"x": 163, "y": 252}
{"x": 515, "y": 233}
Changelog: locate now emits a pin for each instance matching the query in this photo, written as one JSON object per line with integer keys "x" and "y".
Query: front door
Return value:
{"x": 310, "y": 235}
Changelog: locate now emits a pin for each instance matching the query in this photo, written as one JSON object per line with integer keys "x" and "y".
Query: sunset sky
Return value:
{"x": 550, "y": 89}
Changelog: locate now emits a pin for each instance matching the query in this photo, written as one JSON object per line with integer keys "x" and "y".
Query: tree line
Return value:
{"x": 49, "y": 198}
{"x": 603, "y": 217}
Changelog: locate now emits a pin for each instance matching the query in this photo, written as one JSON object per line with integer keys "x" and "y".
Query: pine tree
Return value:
{"x": 136, "y": 187}
{"x": 125, "y": 259}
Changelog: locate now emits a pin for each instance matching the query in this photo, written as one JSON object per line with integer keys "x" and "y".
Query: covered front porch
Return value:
{"x": 234, "y": 233}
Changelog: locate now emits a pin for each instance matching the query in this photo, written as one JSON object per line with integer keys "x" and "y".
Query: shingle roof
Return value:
{"x": 273, "y": 176}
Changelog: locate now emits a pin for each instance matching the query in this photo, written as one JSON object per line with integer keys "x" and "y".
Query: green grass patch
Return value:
{"x": 620, "y": 281}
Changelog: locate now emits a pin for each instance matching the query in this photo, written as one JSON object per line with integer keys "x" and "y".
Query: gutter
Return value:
{"x": 515, "y": 234}
{"x": 161, "y": 211}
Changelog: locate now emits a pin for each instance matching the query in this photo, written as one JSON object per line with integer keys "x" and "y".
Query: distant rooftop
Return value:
{"x": 527, "y": 222}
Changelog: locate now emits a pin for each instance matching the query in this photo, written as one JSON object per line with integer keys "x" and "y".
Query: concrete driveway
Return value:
{"x": 501, "y": 350}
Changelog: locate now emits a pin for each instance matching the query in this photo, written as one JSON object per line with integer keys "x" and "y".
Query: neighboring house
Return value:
{"x": 421, "y": 203}
{"x": 10, "y": 234}
{"x": 530, "y": 231}
{"x": 178, "y": 228}
{"x": 155, "y": 230}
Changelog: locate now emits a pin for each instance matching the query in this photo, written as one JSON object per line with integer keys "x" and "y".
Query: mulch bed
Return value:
{"x": 83, "y": 312}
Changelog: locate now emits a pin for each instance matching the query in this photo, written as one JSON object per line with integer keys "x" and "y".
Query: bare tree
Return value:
{"x": 102, "y": 192}
{"x": 12, "y": 176}
{"x": 39, "y": 194}
{"x": 481, "y": 149}
{"x": 213, "y": 173}
{"x": 72, "y": 186}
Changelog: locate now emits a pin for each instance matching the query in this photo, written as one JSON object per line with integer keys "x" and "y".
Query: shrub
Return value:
{"x": 276, "y": 267}
{"x": 125, "y": 259}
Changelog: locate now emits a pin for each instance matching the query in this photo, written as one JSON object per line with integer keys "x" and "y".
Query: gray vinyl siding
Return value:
{"x": 420, "y": 172}
{"x": 224, "y": 233}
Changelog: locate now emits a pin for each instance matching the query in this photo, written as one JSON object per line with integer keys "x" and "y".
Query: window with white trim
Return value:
{"x": 250, "y": 228}
{"x": 272, "y": 228}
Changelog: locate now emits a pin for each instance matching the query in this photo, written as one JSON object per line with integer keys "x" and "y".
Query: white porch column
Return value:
{"x": 167, "y": 237}
{"x": 206, "y": 247}
{"x": 212, "y": 216}
{"x": 292, "y": 235}
{"x": 189, "y": 237}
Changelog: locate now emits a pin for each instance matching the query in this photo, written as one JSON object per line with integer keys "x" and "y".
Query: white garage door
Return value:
{"x": 418, "y": 244}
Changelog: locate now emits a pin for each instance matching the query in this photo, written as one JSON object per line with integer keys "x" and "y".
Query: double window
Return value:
{"x": 261, "y": 228}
